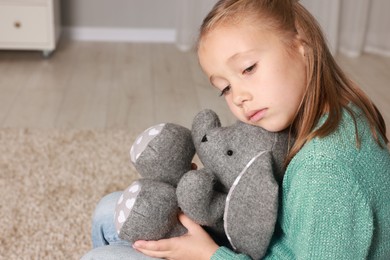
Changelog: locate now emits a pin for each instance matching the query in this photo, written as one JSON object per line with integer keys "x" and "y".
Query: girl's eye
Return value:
{"x": 249, "y": 69}
{"x": 225, "y": 91}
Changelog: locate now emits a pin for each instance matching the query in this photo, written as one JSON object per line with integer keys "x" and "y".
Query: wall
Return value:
{"x": 120, "y": 20}
{"x": 118, "y": 13}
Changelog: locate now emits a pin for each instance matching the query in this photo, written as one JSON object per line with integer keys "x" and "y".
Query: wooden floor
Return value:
{"x": 130, "y": 86}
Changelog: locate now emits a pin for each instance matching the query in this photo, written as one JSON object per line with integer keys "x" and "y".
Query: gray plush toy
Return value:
{"x": 234, "y": 194}
{"x": 148, "y": 208}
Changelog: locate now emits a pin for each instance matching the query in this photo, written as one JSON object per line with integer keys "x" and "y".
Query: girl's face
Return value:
{"x": 262, "y": 82}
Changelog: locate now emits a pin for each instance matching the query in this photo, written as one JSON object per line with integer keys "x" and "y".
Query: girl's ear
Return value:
{"x": 302, "y": 49}
{"x": 301, "y": 45}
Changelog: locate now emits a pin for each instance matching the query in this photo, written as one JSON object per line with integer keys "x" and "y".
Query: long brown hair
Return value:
{"x": 328, "y": 90}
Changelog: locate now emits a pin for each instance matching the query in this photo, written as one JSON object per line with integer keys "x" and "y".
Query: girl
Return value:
{"x": 270, "y": 62}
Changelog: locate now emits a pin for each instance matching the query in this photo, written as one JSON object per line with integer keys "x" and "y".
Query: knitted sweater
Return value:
{"x": 335, "y": 200}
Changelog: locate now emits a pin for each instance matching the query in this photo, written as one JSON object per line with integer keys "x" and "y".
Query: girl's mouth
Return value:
{"x": 256, "y": 115}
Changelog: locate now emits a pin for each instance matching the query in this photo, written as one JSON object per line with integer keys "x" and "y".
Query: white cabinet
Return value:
{"x": 30, "y": 25}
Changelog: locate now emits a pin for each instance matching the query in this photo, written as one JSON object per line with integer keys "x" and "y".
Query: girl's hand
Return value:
{"x": 196, "y": 244}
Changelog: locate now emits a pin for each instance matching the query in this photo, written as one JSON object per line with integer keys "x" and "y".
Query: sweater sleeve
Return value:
{"x": 326, "y": 216}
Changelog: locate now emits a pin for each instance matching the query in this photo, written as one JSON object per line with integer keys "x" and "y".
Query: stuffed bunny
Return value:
{"x": 237, "y": 190}
{"x": 148, "y": 208}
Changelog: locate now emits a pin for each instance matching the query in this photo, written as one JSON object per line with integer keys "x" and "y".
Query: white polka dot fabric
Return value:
{"x": 125, "y": 204}
{"x": 143, "y": 140}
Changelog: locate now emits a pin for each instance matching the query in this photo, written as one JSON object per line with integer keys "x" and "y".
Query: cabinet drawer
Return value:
{"x": 24, "y": 2}
{"x": 23, "y": 24}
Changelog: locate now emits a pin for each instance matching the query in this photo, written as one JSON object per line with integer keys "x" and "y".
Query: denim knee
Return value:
{"x": 103, "y": 225}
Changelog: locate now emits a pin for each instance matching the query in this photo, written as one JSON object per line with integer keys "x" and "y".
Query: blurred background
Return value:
{"x": 80, "y": 79}
{"x": 130, "y": 64}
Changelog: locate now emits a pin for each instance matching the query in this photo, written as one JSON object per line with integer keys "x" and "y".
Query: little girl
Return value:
{"x": 269, "y": 60}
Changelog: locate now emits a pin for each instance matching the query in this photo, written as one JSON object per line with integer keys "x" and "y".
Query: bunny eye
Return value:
{"x": 229, "y": 152}
{"x": 204, "y": 139}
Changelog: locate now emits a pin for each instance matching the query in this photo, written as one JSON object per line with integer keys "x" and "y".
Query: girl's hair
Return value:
{"x": 328, "y": 90}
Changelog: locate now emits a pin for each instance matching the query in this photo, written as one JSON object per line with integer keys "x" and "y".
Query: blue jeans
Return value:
{"x": 105, "y": 240}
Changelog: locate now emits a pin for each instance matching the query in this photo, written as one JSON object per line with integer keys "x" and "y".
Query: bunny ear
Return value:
{"x": 204, "y": 121}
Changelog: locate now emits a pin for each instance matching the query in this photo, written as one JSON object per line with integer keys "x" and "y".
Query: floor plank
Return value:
{"x": 131, "y": 86}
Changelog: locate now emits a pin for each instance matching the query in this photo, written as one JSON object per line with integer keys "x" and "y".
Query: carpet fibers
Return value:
{"x": 50, "y": 182}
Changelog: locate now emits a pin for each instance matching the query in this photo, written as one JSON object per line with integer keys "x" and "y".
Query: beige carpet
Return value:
{"x": 50, "y": 182}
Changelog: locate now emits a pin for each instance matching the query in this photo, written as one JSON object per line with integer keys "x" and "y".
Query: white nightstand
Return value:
{"x": 30, "y": 25}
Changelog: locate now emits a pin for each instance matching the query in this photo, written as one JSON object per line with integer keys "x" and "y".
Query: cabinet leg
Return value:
{"x": 46, "y": 53}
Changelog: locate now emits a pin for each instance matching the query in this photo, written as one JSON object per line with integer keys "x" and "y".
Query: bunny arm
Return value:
{"x": 198, "y": 198}
{"x": 251, "y": 207}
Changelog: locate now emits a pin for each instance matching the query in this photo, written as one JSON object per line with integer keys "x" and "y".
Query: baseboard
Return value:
{"x": 350, "y": 53}
{"x": 119, "y": 34}
{"x": 377, "y": 51}
{"x": 367, "y": 49}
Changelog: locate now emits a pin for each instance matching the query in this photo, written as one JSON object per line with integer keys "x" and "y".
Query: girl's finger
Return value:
{"x": 152, "y": 248}
{"x": 188, "y": 223}
{"x": 150, "y": 245}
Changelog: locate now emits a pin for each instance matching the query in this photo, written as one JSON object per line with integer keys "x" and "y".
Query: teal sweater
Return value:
{"x": 335, "y": 200}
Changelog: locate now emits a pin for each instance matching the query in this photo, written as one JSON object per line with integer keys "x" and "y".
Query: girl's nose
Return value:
{"x": 240, "y": 97}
